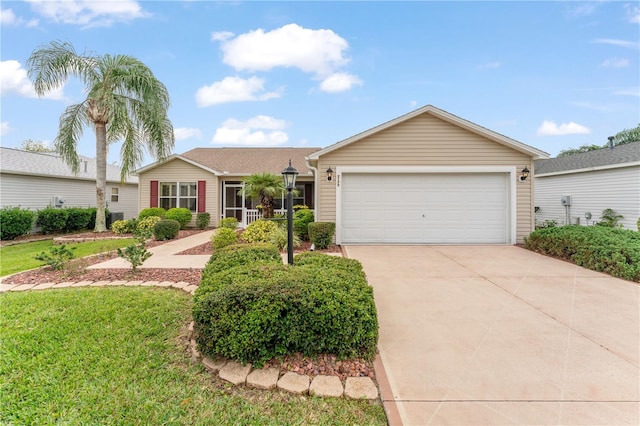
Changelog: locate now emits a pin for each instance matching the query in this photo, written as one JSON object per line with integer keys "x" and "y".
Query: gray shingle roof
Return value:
{"x": 621, "y": 154}
{"x": 29, "y": 163}
{"x": 246, "y": 161}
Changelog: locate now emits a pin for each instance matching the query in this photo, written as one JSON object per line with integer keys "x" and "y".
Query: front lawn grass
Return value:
{"x": 20, "y": 257}
{"x": 116, "y": 356}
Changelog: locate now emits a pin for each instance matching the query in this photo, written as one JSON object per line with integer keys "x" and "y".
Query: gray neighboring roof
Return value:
{"x": 243, "y": 161}
{"x": 443, "y": 115}
{"x": 16, "y": 161}
{"x": 601, "y": 158}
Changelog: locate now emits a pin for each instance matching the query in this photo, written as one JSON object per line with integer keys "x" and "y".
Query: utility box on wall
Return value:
{"x": 565, "y": 200}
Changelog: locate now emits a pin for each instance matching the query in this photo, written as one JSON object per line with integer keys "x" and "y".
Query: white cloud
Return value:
{"x": 182, "y": 133}
{"x": 14, "y": 79}
{"x": 4, "y": 128}
{"x": 261, "y": 130}
{"x": 233, "y": 89}
{"x": 339, "y": 82}
{"x": 631, "y": 91}
{"x": 615, "y": 63}
{"x": 490, "y": 65}
{"x": 413, "y": 103}
{"x": 320, "y": 52}
{"x": 550, "y": 128}
{"x": 617, "y": 42}
{"x": 88, "y": 13}
{"x": 221, "y": 35}
{"x": 633, "y": 13}
{"x": 7, "y": 17}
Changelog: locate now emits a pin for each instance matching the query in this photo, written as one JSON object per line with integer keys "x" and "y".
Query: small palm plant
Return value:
{"x": 264, "y": 187}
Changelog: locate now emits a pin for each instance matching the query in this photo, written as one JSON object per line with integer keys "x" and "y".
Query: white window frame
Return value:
{"x": 177, "y": 197}
{"x": 115, "y": 192}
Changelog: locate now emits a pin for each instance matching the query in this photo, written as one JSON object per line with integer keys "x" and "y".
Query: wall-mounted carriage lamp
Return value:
{"x": 329, "y": 174}
{"x": 524, "y": 174}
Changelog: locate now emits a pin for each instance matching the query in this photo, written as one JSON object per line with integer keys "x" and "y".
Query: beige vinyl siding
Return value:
{"x": 180, "y": 171}
{"x": 38, "y": 192}
{"x": 593, "y": 191}
{"x": 426, "y": 141}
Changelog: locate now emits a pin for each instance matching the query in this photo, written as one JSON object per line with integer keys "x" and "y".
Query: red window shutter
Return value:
{"x": 202, "y": 196}
{"x": 153, "y": 202}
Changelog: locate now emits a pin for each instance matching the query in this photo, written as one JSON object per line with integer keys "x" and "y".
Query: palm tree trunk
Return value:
{"x": 101, "y": 176}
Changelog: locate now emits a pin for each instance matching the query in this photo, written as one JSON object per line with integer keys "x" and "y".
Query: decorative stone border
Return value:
{"x": 68, "y": 240}
{"x": 231, "y": 371}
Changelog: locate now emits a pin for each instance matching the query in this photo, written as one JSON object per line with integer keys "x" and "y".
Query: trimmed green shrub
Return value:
{"x": 202, "y": 220}
{"x": 15, "y": 222}
{"x": 145, "y": 225}
{"x": 182, "y": 215}
{"x": 280, "y": 238}
{"x": 612, "y": 250}
{"x": 52, "y": 220}
{"x": 638, "y": 223}
{"x": 241, "y": 254}
{"x": 301, "y": 220}
{"x": 152, "y": 211}
{"x": 255, "y": 312}
{"x": 259, "y": 231}
{"x": 228, "y": 222}
{"x": 77, "y": 219}
{"x": 166, "y": 229}
{"x": 223, "y": 237}
{"x": 321, "y": 233}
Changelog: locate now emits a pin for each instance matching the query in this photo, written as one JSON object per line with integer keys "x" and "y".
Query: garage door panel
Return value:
{"x": 424, "y": 208}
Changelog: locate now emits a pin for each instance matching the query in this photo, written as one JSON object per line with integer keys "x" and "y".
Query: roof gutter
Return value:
{"x": 588, "y": 169}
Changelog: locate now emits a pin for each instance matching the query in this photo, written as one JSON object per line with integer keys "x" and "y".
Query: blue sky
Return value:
{"x": 553, "y": 75}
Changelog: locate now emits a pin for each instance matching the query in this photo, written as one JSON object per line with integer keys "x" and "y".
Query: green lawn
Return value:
{"x": 20, "y": 257}
{"x": 115, "y": 356}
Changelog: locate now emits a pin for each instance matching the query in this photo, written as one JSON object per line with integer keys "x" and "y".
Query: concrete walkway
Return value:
{"x": 500, "y": 335}
{"x": 165, "y": 255}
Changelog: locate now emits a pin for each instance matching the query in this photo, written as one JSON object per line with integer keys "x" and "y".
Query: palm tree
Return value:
{"x": 264, "y": 187}
{"x": 125, "y": 102}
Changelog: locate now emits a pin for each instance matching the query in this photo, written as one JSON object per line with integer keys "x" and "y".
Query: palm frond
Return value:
{"x": 70, "y": 129}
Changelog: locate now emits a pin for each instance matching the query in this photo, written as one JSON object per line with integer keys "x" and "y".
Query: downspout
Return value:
{"x": 316, "y": 187}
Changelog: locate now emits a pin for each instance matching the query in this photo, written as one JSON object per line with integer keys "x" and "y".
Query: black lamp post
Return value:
{"x": 289, "y": 175}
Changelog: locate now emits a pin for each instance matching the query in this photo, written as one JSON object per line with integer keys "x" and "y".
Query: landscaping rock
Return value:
{"x": 360, "y": 387}
{"x": 263, "y": 378}
{"x": 213, "y": 366}
{"x": 294, "y": 383}
{"x": 235, "y": 372}
{"x": 326, "y": 386}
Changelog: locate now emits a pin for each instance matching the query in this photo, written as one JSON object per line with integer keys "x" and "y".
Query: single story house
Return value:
{"x": 35, "y": 180}
{"x": 575, "y": 189}
{"x": 425, "y": 177}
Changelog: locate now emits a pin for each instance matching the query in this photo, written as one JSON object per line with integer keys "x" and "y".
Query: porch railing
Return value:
{"x": 251, "y": 215}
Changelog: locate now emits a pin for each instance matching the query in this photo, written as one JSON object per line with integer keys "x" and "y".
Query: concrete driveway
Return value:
{"x": 486, "y": 335}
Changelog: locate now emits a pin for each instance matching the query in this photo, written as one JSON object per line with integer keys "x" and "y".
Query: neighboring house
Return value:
{"x": 575, "y": 189}
{"x": 35, "y": 180}
{"x": 425, "y": 177}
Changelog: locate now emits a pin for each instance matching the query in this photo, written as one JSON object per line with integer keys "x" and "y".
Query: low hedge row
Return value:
{"x": 261, "y": 309}
{"x": 612, "y": 250}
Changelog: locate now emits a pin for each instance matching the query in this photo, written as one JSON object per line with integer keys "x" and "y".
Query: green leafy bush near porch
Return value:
{"x": 614, "y": 251}
{"x": 259, "y": 231}
{"x": 182, "y": 215}
{"x": 224, "y": 237}
{"x": 152, "y": 211}
{"x": 202, "y": 220}
{"x": 15, "y": 222}
{"x": 166, "y": 229}
{"x": 228, "y": 222}
{"x": 321, "y": 233}
{"x": 77, "y": 219}
{"x": 241, "y": 254}
{"x": 301, "y": 220}
{"x": 52, "y": 220}
{"x": 257, "y": 311}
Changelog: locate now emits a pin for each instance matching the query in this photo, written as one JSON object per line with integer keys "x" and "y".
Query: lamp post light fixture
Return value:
{"x": 329, "y": 174}
{"x": 289, "y": 175}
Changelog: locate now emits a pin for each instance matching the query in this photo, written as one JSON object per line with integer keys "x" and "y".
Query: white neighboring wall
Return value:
{"x": 590, "y": 191}
{"x": 38, "y": 192}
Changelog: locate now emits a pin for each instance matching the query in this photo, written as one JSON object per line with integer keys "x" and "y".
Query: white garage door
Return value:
{"x": 435, "y": 208}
